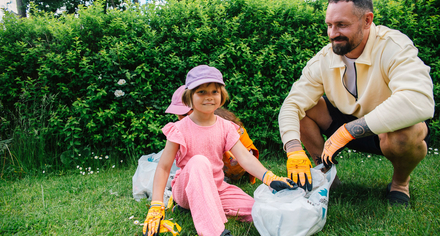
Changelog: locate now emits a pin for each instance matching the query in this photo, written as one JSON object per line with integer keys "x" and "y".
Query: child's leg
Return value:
{"x": 237, "y": 203}
{"x": 195, "y": 189}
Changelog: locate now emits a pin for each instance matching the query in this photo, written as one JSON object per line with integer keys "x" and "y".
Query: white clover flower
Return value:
{"x": 435, "y": 149}
{"x": 341, "y": 156}
{"x": 97, "y": 172}
{"x": 121, "y": 81}
{"x": 90, "y": 168}
{"x": 44, "y": 171}
{"x": 349, "y": 150}
{"x": 80, "y": 168}
{"x": 106, "y": 157}
{"x": 100, "y": 158}
{"x": 136, "y": 222}
{"x": 121, "y": 161}
{"x": 436, "y": 153}
{"x": 113, "y": 166}
{"x": 368, "y": 156}
{"x": 380, "y": 159}
{"x": 430, "y": 148}
{"x": 91, "y": 172}
{"x": 96, "y": 157}
{"x": 84, "y": 173}
{"x": 77, "y": 167}
{"x": 79, "y": 154}
{"x": 119, "y": 93}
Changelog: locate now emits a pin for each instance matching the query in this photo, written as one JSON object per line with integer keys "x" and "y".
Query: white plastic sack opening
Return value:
{"x": 144, "y": 176}
{"x": 293, "y": 212}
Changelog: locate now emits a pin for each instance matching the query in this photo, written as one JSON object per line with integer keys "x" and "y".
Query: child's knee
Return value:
{"x": 199, "y": 161}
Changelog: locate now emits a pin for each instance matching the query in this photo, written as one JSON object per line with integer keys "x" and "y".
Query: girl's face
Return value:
{"x": 206, "y": 98}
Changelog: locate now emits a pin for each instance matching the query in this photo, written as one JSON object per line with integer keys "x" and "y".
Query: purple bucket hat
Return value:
{"x": 201, "y": 75}
{"x": 177, "y": 107}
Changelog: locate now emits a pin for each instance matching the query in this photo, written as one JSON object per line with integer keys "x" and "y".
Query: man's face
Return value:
{"x": 344, "y": 28}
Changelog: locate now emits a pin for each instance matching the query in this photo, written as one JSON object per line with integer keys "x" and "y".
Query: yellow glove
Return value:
{"x": 298, "y": 169}
{"x": 335, "y": 143}
{"x": 154, "y": 216}
{"x": 278, "y": 183}
{"x": 168, "y": 226}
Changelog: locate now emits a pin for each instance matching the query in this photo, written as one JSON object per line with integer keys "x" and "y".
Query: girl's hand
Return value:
{"x": 154, "y": 216}
{"x": 278, "y": 183}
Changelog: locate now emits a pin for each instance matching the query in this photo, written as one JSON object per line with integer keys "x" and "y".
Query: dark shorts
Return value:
{"x": 368, "y": 144}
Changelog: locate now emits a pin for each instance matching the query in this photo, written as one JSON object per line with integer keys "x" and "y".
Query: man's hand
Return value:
{"x": 154, "y": 216}
{"x": 278, "y": 183}
{"x": 298, "y": 169}
{"x": 336, "y": 142}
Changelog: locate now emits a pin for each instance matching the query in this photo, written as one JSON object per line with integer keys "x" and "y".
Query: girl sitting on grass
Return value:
{"x": 198, "y": 142}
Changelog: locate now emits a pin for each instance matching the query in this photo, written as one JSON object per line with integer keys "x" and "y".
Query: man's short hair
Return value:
{"x": 361, "y": 6}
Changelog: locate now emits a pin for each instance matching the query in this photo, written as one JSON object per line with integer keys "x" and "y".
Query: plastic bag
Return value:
{"x": 144, "y": 176}
{"x": 293, "y": 212}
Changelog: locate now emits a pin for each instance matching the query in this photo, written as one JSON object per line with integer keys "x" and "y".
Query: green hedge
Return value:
{"x": 59, "y": 76}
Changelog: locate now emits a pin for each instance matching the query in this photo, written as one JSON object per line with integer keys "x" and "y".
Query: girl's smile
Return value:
{"x": 207, "y": 98}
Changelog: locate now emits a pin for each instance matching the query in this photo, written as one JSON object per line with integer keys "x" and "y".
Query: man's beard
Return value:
{"x": 341, "y": 48}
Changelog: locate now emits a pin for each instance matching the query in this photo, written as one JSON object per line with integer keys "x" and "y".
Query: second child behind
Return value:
{"x": 198, "y": 142}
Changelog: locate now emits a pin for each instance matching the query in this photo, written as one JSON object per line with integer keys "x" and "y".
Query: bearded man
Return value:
{"x": 367, "y": 90}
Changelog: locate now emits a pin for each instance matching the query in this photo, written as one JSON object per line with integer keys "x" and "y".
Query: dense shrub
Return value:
{"x": 145, "y": 51}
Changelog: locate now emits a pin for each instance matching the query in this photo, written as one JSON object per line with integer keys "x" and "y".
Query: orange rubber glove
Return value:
{"x": 154, "y": 216}
{"x": 298, "y": 169}
{"x": 336, "y": 142}
{"x": 278, "y": 183}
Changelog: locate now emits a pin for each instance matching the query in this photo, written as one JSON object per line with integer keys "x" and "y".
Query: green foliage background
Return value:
{"x": 58, "y": 75}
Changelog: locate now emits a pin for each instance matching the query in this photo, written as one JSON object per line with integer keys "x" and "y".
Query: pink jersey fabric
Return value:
{"x": 199, "y": 184}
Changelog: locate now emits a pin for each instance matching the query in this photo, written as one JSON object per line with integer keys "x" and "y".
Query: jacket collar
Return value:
{"x": 364, "y": 58}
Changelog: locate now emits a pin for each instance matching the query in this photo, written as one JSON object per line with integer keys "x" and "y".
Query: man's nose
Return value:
{"x": 333, "y": 32}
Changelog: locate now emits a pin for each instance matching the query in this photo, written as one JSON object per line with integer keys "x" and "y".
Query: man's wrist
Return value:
{"x": 293, "y": 145}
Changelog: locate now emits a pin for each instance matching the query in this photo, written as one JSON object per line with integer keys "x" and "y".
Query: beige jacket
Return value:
{"x": 393, "y": 85}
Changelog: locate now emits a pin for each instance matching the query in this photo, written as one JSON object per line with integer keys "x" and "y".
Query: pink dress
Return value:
{"x": 199, "y": 184}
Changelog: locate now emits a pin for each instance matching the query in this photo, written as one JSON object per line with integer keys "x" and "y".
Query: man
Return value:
{"x": 366, "y": 90}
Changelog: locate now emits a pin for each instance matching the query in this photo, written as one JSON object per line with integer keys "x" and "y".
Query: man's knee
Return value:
{"x": 404, "y": 141}
{"x": 319, "y": 115}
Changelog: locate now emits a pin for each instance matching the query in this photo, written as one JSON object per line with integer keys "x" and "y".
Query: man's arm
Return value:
{"x": 358, "y": 128}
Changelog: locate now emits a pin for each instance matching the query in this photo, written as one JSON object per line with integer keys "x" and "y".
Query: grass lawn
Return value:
{"x": 102, "y": 203}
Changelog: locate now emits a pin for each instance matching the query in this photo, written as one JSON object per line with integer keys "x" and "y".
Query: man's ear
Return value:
{"x": 368, "y": 20}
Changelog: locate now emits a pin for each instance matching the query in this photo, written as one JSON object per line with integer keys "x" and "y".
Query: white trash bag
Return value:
{"x": 293, "y": 212}
{"x": 144, "y": 176}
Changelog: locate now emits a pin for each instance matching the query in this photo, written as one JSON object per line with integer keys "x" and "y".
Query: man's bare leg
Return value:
{"x": 316, "y": 118}
{"x": 405, "y": 149}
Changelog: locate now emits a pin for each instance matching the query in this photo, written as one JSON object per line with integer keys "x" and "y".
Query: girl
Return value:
{"x": 198, "y": 142}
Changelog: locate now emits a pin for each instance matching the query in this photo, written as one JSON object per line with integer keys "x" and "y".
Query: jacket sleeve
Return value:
{"x": 411, "y": 86}
{"x": 304, "y": 94}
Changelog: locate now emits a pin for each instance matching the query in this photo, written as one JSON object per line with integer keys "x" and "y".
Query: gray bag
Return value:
{"x": 293, "y": 212}
{"x": 144, "y": 176}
